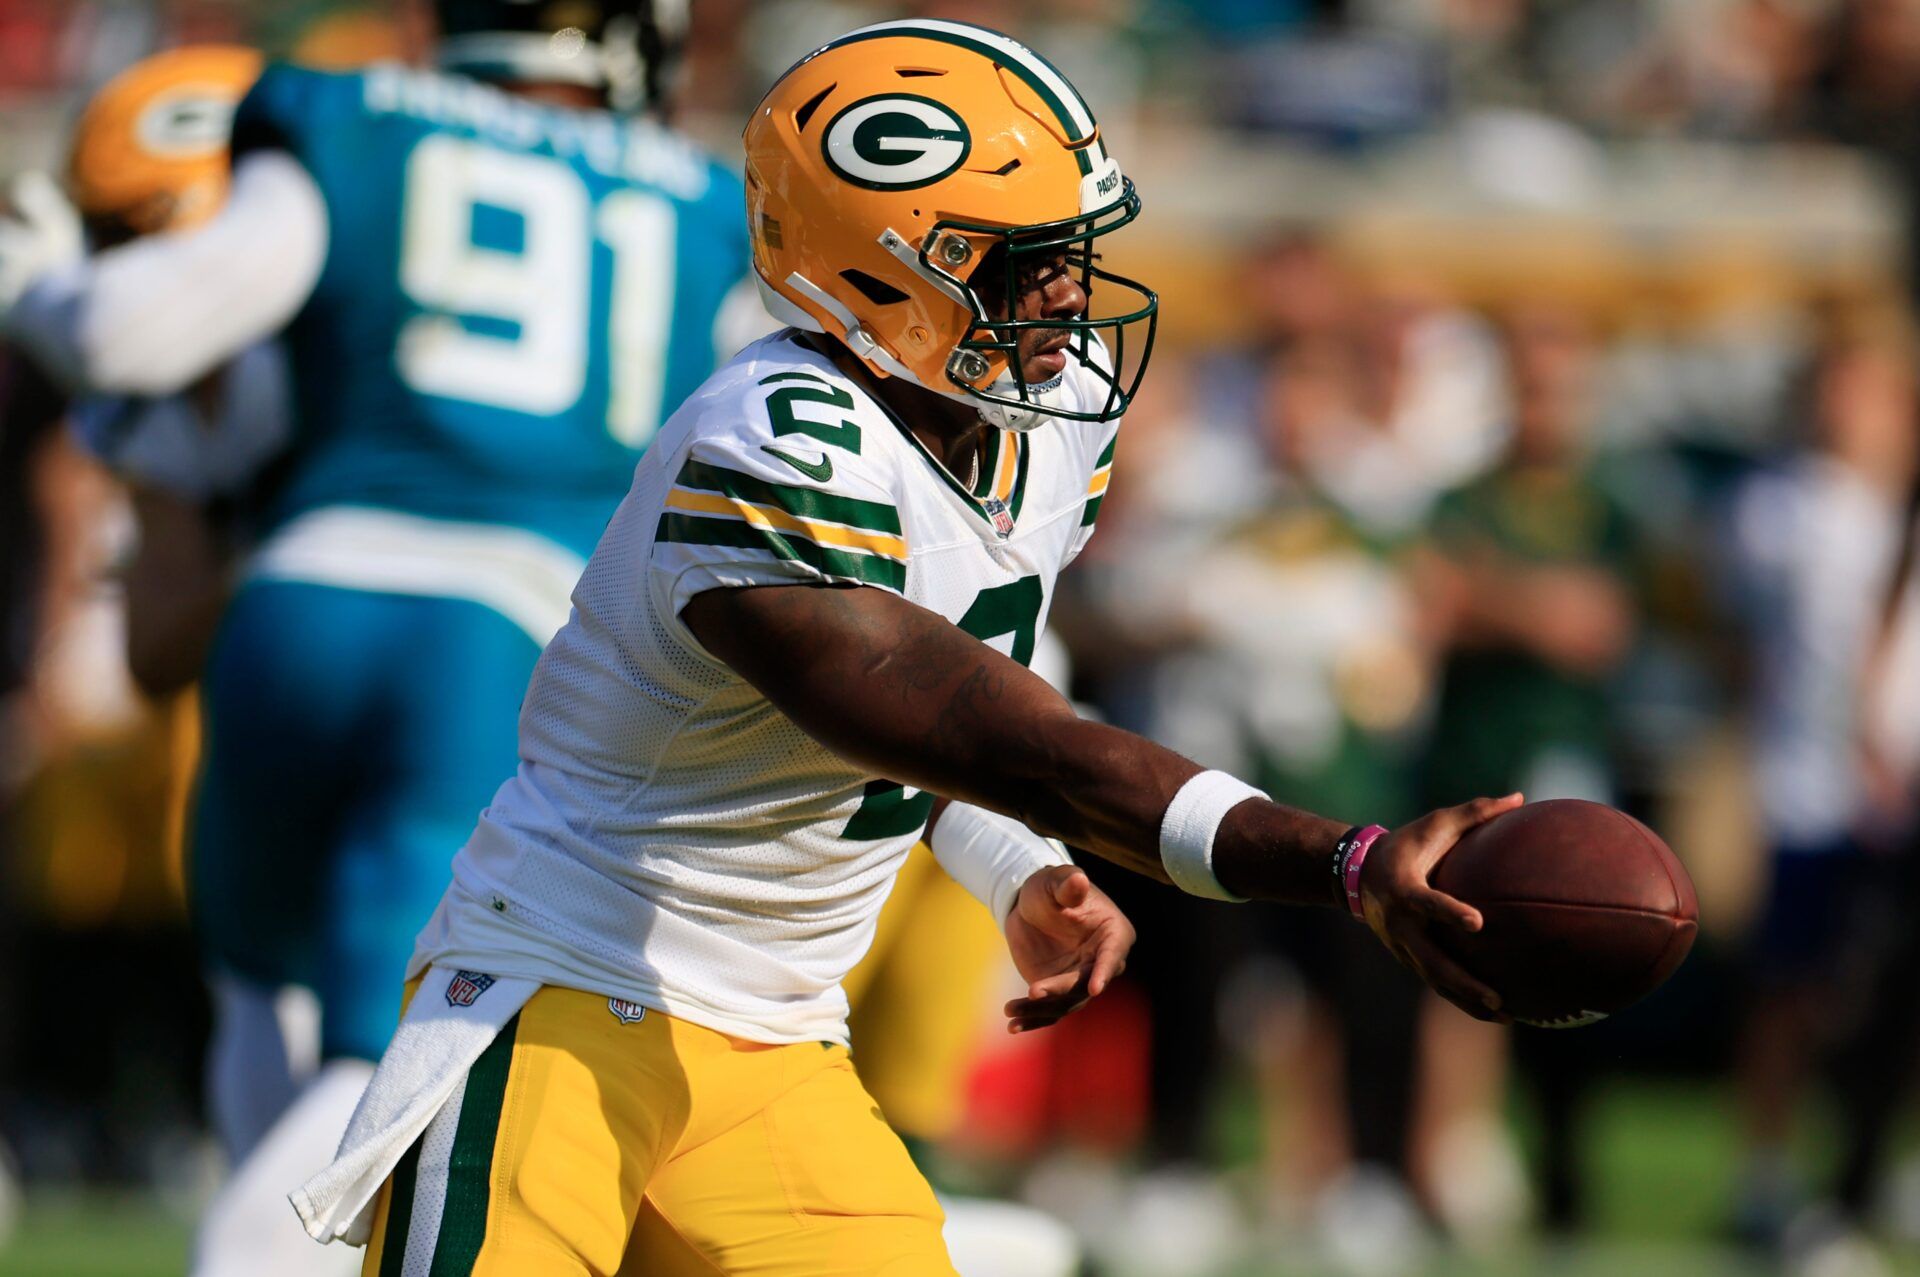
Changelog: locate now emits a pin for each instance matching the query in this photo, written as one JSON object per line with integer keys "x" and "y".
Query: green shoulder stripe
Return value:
{"x": 1092, "y": 510}
{"x": 1106, "y": 453}
{"x": 794, "y": 376}
{"x": 692, "y": 529}
{"x": 808, "y": 503}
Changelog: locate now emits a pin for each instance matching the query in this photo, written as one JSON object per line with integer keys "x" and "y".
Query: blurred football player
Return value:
{"x": 800, "y": 643}
{"x": 149, "y": 156}
{"x": 489, "y": 289}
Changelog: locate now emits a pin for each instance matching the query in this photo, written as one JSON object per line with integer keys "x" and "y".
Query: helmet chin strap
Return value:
{"x": 1020, "y": 418}
{"x": 1004, "y": 416}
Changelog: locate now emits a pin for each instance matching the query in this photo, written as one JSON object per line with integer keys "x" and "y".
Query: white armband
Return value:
{"x": 1188, "y": 827}
{"x": 991, "y": 855}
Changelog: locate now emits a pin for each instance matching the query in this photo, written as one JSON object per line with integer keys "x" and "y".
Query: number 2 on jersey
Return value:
{"x": 888, "y": 810}
{"x": 508, "y": 323}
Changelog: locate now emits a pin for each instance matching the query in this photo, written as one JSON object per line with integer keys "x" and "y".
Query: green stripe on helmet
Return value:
{"x": 999, "y": 57}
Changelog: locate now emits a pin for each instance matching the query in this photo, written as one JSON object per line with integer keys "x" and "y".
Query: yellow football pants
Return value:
{"x": 921, "y": 997}
{"x": 585, "y": 1143}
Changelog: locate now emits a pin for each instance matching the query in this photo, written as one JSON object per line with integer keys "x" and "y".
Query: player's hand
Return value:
{"x": 1409, "y": 916}
{"x": 1069, "y": 940}
{"x": 39, "y": 235}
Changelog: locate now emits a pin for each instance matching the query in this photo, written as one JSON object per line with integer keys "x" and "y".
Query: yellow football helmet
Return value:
{"x": 150, "y": 150}
{"x": 886, "y": 168}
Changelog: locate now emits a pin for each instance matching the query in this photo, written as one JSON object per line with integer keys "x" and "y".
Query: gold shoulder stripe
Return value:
{"x": 773, "y": 517}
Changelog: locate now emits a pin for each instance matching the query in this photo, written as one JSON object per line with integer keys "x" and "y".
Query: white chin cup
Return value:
{"x": 1042, "y": 398}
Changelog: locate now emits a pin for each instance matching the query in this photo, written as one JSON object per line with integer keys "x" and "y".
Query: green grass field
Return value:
{"x": 1662, "y": 1156}
{"x": 96, "y": 1235}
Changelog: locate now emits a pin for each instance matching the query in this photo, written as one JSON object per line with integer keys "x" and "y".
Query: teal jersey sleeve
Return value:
{"x": 515, "y": 295}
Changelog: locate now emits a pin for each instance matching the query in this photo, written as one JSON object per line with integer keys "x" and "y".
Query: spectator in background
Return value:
{"x": 1815, "y": 539}
{"x": 1867, "y": 95}
{"x": 1528, "y": 571}
{"x": 1313, "y": 654}
{"x": 1246, "y": 601}
{"x": 1527, "y": 576}
{"x": 1294, "y": 288}
{"x": 1185, "y": 470}
{"x": 1739, "y": 70}
{"x": 92, "y": 789}
{"x": 1423, "y": 391}
{"x": 1433, "y": 386}
{"x": 1867, "y": 90}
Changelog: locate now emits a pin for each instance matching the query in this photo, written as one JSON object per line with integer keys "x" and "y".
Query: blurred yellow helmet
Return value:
{"x": 150, "y": 150}
{"x": 887, "y": 167}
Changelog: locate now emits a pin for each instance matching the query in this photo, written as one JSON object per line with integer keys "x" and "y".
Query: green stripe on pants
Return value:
{"x": 393, "y": 1253}
{"x": 463, "y": 1221}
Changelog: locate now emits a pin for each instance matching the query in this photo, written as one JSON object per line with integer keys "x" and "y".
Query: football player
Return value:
{"x": 149, "y": 156}
{"x": 490, "y": 288}
{"x": 800, "y": 642}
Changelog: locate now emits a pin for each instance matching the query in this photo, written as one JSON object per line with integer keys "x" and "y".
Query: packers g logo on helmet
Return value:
{"x": 896, "y": 142}
{"x": 907, "y": 181}
{"x": 194, "y": 121}
{"x": 150, "y": 151}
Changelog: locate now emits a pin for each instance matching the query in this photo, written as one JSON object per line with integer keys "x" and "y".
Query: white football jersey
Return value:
{"x": 672, "y": 838}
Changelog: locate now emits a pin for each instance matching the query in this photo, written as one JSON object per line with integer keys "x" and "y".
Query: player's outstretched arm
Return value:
{"x": 901, "y": 691}
{"x": 153, "y": 316}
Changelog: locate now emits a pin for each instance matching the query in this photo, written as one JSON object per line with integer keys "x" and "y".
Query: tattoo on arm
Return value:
{"x": 897, "y": 689}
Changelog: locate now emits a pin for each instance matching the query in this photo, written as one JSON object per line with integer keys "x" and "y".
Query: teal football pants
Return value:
{"x": 352, "y": 739}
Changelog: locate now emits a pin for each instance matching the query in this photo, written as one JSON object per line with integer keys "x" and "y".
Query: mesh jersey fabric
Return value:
{"x": 670, "y": 836}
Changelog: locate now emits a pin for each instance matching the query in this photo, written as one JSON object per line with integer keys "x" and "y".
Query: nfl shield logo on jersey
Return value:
{"x": 466, "y": 986}
{"x": 626, "y": 1012}
{"x": 1002, "y": 517}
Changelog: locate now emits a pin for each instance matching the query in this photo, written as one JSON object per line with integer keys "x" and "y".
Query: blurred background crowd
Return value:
{"x": 1535, "y": 408}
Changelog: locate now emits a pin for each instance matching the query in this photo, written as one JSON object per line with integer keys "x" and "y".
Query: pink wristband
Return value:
{"x": 1351, "y": 856}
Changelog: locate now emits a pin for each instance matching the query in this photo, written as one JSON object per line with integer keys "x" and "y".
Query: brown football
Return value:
{"x": 1587, "y": 911}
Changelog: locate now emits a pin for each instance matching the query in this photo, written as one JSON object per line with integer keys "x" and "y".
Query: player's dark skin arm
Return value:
{"x": 900, "y": 691}
{"x": 176, "y": 590}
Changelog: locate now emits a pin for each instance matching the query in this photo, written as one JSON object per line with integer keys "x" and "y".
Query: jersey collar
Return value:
{"x": 1002, "y": 488}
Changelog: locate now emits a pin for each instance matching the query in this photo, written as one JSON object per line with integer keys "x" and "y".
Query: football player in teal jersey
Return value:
{"x": 490, "y": 289}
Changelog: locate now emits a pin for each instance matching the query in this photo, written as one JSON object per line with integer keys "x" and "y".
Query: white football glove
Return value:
{"x": 40, "y": 236}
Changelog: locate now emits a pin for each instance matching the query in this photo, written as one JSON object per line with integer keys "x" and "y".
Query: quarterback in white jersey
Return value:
{"x": 672, "y": 837}
{"x": 799, "y": 647}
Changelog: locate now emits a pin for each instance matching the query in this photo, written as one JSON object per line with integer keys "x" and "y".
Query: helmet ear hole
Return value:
{"x": 989, "y": 280}
{"x": 873, "y": 288}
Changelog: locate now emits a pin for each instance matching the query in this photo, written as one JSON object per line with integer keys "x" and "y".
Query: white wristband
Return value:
{"x": 1187, "y": 829}
{"x": 992, "y": 856}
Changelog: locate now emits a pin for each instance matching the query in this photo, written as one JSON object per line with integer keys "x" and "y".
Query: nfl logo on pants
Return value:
{"x": 466, "y": 986}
